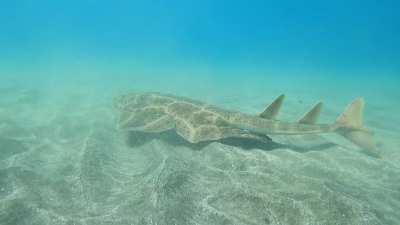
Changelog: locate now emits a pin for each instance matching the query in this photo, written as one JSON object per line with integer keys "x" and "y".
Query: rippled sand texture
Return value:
{"x": 63, "y": 162}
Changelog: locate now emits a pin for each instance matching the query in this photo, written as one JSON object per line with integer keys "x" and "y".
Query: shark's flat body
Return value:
{"x": 197, "y": 121}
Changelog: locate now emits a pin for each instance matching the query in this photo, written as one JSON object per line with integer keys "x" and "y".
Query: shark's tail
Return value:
{"x": 350, "y": 124}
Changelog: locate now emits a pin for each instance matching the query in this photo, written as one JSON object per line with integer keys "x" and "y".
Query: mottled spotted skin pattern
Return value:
{"x": 196, "y": 121}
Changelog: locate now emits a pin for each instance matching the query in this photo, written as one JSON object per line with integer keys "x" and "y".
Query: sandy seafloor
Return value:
{"x": 63, "y": 162}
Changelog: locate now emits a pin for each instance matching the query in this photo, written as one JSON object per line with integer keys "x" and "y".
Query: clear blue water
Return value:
{"x": 62, "y": 63}
{"x": 313, "y": 38}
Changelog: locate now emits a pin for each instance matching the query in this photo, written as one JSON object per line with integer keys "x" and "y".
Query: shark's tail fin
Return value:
{"x": 351, "y": 126}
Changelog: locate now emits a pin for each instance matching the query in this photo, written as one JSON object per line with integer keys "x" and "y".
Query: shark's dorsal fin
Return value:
{"x": 273, "y": 109}
{"x": 311, "y": 116}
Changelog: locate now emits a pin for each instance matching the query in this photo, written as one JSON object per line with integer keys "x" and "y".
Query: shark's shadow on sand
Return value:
{"x": 136, "y": 138}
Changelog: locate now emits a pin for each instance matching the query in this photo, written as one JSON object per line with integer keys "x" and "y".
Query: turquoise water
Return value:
{"x": 63, "y": 160}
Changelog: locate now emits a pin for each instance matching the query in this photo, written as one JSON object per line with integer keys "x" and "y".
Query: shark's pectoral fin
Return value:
{"x": 273, "y": 109}
{"x": 312, "y": 116}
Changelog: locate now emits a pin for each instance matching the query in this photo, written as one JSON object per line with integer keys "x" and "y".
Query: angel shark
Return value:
{"x": 197, "y": 121}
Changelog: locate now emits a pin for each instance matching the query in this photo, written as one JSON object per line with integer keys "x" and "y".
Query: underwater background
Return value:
{"x": 62, "y": 160}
